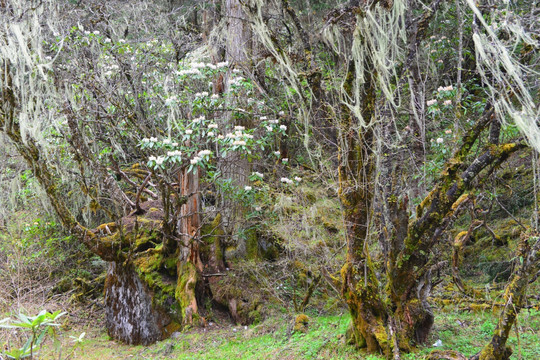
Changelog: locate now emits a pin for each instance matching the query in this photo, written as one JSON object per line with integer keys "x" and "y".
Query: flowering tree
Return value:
{"x": 141, "y": 135}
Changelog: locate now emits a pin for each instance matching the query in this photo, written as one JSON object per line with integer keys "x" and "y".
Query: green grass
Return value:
{"x": 461, "y": 331}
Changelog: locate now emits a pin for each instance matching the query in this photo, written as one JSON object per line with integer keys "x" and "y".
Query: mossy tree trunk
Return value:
{"x": 392, "y": 313}
{"x": 142, "y": 304}
{"x": 356, "y": 185}
{"x": 527, "y": 271}
{"x": 407, "y": 276}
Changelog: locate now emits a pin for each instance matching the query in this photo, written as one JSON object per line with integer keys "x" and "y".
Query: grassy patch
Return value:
{"x": 273, "y": 339}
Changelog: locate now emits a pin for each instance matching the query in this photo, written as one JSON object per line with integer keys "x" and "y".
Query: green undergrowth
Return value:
{"x": 324, "y": 339}
{"x": 466, "y": 332}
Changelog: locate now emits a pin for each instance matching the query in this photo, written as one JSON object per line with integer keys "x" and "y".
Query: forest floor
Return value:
{"x": 273, "y": 339}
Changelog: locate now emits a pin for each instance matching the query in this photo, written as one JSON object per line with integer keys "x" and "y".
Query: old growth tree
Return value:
{"x": 371, "y": 85}
{"x": 379, "y": 84}
{"x": 101, "y": 118}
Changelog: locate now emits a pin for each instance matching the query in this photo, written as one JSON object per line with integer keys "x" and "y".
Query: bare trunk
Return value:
{"x": 189, "y": 262}
{"x": 235, "y": 167}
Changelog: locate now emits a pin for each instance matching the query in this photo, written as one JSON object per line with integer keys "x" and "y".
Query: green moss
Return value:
{"x": 211, "y": 234}
{"x": 252, "y": 244}
{"x": 255, "y": 316}
{"x": 185, "y": 286}
{"x": 170, "y": 264}
{"x": 154, "y": 269}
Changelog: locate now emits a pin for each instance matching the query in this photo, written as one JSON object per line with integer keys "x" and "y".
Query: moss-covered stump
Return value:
{"x": 131, "y": 316}
{"x": 140, "y": 291}
{"x": 301, "y": 323}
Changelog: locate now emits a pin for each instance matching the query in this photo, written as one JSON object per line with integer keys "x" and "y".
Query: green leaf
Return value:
{"x": 25, "y": 319}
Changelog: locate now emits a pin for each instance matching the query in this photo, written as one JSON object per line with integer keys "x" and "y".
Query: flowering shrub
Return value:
{"x": 184, "y": 123}
{"x": 202, "y": 142}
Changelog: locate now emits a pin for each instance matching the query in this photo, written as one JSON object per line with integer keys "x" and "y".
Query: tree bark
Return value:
{"x": 130, "y": 315}
{"x": 189, "y": 262}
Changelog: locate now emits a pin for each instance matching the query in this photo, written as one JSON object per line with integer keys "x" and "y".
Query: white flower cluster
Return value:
{"x": 204, "y": 153}
{"x": 247, "y": 188}
{"x": 189, "y": 132}
{"x": 198, "y": 120}
{"x": 197, "y": 65}
{"x": 445, "y": 88}
{"x": 273, "y": 121}
{"x": 431, "y": 102}
{"x": 202, "y": 94}
{"x": 201, "y": 65}
{"x": 110, "y": 69}
{"x": 236, "y": 81}
{"x": 174, "y": 153}
{"x": 239, "y": 136}
{"x": 289, "y": 181}
{"x": 258, "y": 174}
{"x": 213, "y": 126}
{"x": 189, "y": 72}
{"x": 152, "y": 139}
{"x": 286, "y": 180}
{"x": 159, "y": 160}
{"x": 195, "y": 160}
